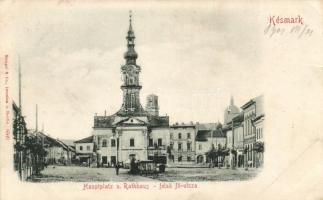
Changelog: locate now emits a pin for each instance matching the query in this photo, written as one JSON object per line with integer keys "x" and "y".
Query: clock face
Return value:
{"x": 131, "y": 70}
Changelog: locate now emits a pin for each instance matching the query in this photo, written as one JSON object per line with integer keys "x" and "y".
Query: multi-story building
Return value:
{"x": 85, "y": 150}
{"x": 238, "y": 139}
{"x": 182, "y": 142}
{"x": 208, "y": 135}
{"x": 131, "y": 132}
{"x": 259, "y": 145}
{"x": 234, "y": 133}
{"x": 251, "y": 109}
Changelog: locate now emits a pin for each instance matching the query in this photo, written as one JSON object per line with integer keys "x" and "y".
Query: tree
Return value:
{"x": 258, "y": 148}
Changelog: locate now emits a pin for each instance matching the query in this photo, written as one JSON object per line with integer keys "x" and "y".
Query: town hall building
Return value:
{"x": 132, "y": 132}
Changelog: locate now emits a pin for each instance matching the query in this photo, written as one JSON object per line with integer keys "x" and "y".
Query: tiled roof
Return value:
{"x": 218, "y": 133}
{"x": 68, "y": 142}
{"x": 158, "y": 121}
{"x": 85, "y": 140}
{"x": 207, "y": 126}
{"x": 202, "y": 135}
{"x": 104, "y": 121}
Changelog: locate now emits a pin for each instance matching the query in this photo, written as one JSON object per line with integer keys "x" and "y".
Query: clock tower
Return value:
{"x": 130, "y": 78}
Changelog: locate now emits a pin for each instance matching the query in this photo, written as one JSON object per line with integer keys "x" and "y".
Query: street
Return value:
{"x": 86, "y": 174}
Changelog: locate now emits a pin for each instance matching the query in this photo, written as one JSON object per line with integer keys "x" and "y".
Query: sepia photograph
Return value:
{"x": 161, "y": 100}
{"x": 90, "y": 118}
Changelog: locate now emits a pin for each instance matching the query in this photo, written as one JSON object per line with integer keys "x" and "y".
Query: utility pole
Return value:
{"x": 19, "y": 82}
{"x": 20, "y": 131}
{"x": 36, "y": 118}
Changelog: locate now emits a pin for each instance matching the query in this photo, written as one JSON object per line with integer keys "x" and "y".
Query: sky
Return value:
{"x": 192, "y": 58}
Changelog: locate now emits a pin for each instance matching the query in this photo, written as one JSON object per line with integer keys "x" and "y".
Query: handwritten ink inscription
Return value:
{"x": 293, "y": 26}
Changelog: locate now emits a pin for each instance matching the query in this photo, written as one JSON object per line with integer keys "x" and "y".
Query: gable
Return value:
{"x": 132, "y": 121}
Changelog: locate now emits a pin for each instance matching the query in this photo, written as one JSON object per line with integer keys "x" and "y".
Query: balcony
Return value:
{"x": 157, "y": 150}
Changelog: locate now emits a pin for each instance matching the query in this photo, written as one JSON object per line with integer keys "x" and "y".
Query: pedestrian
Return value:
{"x": 117, "y": 168}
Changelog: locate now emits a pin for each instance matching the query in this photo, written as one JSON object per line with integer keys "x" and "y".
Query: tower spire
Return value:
{"x": 130, "y": 76}
{"x": 130, "y": 20}
{"x": 131, "y": 54}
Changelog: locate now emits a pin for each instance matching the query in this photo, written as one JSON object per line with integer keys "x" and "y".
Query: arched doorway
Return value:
{"x": 200, "y": 159}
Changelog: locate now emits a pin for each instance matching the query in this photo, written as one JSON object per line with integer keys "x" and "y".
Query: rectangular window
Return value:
{"x": 151, "y": 142}
{"x": 160, "y": 142}
{"x": 104, "y": 143}
{"x": 132, "y": 100}
{"x": 113, "y": 142}
{"x": 104, "y": 160}
{"x": 179, "y": 146}
{"x": 189, "y": 146}
{"x": 188, "y": 135}
{"x": 171, "y": 136}
{"x": 132, "y": 142}
{"x": 88, "y": 148}
{"x": 179, "y": 136}
{"x": 200, "y": 147}
{"x": 81, "y": 148}
{"x": 188, "y": 158}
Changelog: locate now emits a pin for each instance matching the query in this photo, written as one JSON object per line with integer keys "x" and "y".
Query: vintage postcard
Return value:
{"x": 161, "y": 100}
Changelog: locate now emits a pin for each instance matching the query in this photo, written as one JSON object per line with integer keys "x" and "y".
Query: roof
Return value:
{"x": 110, "y": 121}
{"x": 207, "y": 126}
{"x": 237, "y": 120}
{"x": 258, "y": 117}
{"x": 104, "y": 121}
{"x": 203, "y": 135}
{"x": 158, "y": 121}
{"x": 85, "y": 140}
{"x": 183, "y": 125}
{"x": 68, "y": 142}
{"x": 258, "y": 101}
{"x": 66, "y": 146}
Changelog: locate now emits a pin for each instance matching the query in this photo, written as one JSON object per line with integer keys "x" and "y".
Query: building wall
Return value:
{"x": 259, "y": 138}
{"x": 140, "y": 137}
{"x": 216, "y": 141}
{"x": 84, "y": 147}
{"x": 259, "y": 130}
{"x": 249, "y": 133}
{"x": 238, "y": 137}
{"x": 181, "y": 136}
{"x": 229, "y": 139}
{"x": 160, "y": 133}
{"x": 103, "y": 139}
